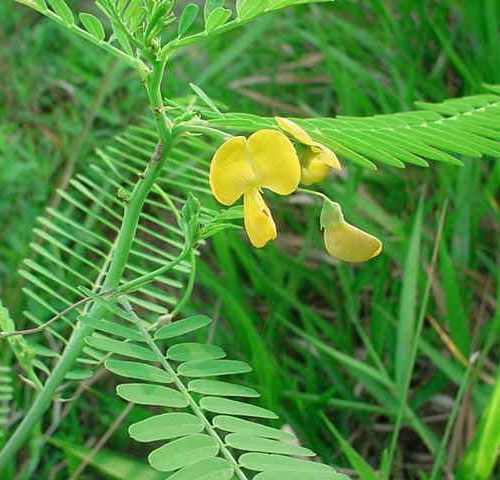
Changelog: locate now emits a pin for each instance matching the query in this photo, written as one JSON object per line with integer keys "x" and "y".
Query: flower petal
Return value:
{"x": 327, "y": 156}
{"x": 298, "y": 133}
{"x": 315, "y": 172}
{"x": 231, "y": 171}
{"x": 350, "y": 244}
{"x": 259, "y": 223}
{"x": 275, "y": 161}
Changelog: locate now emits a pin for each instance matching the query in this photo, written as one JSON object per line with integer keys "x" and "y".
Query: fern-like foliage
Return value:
{"x": 468, "y": 126}
{"x": 72, "y": 244}
{"x": 210, "y": 430}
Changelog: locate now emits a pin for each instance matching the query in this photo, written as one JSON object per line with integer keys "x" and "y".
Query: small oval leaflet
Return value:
{"x": 210, "y": 6}
{"x": 181, "y": 327}
{"x": 183, "y": 352}
{"x": 210, "y": 469}
{"x": 232, "y": 407}
{"x": 165, "y": 427}
{"x": 150, "y": 394}
{"x": 217, "y": 18}
{"x": 265, "y": 462}
{"x": 116, "y": 329}
{"x": 62, "y": 9}
{"x": 293, "y": 475}
{"x": 212, "y": 368}
{"x": 187, "y": 18}
{"x": 239, "y": 425}
{"x": 126, "y": 349}
{"x": 93, "y": 25}
{"x": 139, "y": 371}
{"x": 221, "y": 389}
{"x": 79, "y": 375}
{"x": 183, "y": 452}
{"x": 250, "y": 443}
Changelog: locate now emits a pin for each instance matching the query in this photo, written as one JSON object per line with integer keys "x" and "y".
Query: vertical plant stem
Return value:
{"x": 114, "y": 275}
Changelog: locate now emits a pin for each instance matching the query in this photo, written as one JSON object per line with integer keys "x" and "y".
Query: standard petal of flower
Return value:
{"x": 231, "y": 172}
{"x": 275, "y": 161}
{"x": 350, "y": 244}
{"x": 259, "y": 223}
{"x": 298, "y": 133}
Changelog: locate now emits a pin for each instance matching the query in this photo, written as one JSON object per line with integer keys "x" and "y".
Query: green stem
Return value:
{"x": 117, "y": 266}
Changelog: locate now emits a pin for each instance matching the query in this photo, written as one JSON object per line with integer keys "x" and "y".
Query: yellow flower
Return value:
{"x": 316, "y": 159}
{"x": 345, "y": 241}
{"x": 244, "y": 166}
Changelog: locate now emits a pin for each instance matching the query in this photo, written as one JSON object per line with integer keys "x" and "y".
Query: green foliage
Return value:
{"x": 482, "y": 453}
{"x": 199, "y": 444}
{"x": 464, "y": 126}
{"x": 328, "y": 331}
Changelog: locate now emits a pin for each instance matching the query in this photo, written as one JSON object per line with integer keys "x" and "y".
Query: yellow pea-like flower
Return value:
{"x": 315, "y": 158}
{"x": 345, "y": 241}
{"x": 241, "y": 166}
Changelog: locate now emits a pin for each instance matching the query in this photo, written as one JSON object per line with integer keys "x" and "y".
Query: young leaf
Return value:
{"x": 210, "y": 6}
{"x": 210, "y": 103}
{"x": 217, "y": 18}
{"x": 62, "y": 9}
{"x": 122, "y": 37}
{"x": 93, "y": 25}
{"x": 187, "y": 18}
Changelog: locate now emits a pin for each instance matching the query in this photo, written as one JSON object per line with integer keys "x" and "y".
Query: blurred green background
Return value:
{"x": 318, "y": 329}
